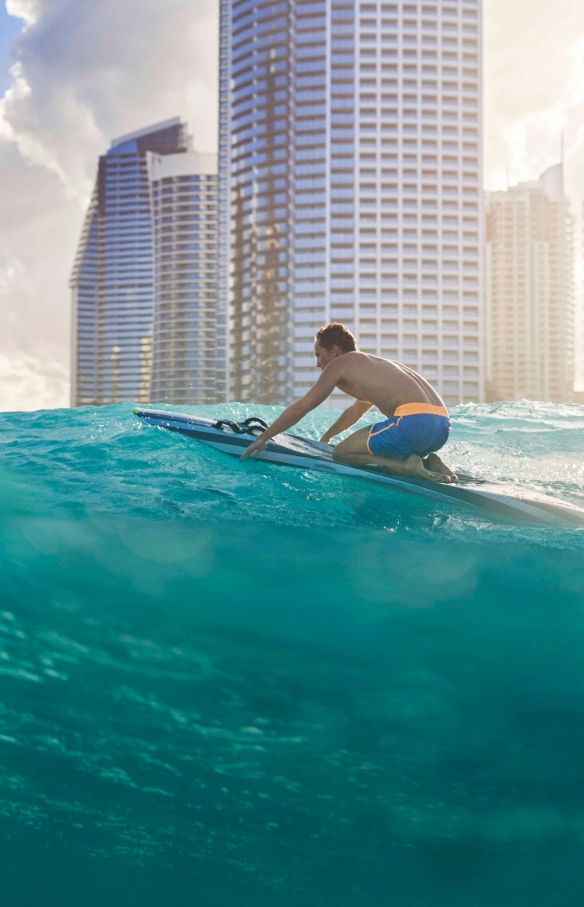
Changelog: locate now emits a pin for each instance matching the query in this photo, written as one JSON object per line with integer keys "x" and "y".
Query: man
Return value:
{"x": 417, "y": 423}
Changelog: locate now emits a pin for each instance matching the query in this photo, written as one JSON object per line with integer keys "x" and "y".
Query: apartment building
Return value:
{"x": 350, "y": 189}
{"x": 530, "y": 292}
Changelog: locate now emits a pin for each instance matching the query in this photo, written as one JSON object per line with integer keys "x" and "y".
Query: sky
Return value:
{"x": 75, "y": 73}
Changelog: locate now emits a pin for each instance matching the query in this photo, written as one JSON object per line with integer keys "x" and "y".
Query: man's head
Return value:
{"x": 332, "y": 341}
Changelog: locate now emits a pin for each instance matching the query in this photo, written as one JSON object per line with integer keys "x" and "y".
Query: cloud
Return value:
{"x": 31, "y": 382}
{"x": 534, "y": 141}
{"x": 81, "y": 74}
{"x": 11, "y": 273}
{"x": 28, "y": 10}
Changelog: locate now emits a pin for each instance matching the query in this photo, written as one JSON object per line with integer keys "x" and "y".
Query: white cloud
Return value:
{"x": 23, "y": 9}
{"x": 11, "y": 274}
{"x": 31, "y": 382}
{"x": 534, "y": 141}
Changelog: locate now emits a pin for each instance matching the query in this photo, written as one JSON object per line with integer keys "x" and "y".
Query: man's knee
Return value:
{"x": 341, "y": 451}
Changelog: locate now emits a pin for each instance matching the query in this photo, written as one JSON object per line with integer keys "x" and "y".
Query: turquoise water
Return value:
{"x": 226, "y": 683}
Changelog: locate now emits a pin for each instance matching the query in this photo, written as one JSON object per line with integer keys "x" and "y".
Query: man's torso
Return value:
{"x": 383, "y": 382}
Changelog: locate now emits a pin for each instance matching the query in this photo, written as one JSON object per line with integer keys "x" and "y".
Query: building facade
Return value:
{"x": 530, "y": 292}
{"x": 184, "y": 213}
{"x": 144, "y": 280}
{"x": 112, "y": 281}
{"x": 350, "y": 188}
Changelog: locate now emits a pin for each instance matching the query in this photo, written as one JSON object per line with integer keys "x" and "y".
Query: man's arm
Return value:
{"x": 348, "y": 418}
{"x": 295, "y": 412}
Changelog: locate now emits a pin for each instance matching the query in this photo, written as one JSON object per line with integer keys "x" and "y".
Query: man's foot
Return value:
{"x": 435, "y": 464}
{"x": 414, "y": 466}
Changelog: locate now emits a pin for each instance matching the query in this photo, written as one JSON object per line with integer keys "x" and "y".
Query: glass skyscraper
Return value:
{"x": 144, "y": 282}
{"x": 350, "y": 188}
{"x": 112, "y": 281}
{"x": 184, "y": 211}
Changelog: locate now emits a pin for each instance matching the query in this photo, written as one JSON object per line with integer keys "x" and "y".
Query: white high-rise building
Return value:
{"x": 579, "y": 318}
{"x": 530, "y": 291}
{"x": 183, "y": 194}
{"x": 350, "y": 186}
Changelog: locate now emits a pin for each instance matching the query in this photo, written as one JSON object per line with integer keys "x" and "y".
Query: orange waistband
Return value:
{"x": 414, "y": 409}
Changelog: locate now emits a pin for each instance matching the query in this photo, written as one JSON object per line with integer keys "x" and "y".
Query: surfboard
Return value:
{"x": 493, "y": 498}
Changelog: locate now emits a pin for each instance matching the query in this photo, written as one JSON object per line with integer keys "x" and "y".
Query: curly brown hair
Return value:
{"x": 336, "y": 334}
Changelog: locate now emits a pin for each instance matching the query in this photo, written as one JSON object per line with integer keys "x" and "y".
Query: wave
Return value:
{"x": 104, "y": 461}
{"x": 251, "y": 684}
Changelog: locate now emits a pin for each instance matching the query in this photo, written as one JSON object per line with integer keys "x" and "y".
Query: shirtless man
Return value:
{"x": 417, "y": 423}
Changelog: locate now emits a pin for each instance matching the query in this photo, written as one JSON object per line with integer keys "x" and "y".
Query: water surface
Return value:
{"x": 226, "y": 683}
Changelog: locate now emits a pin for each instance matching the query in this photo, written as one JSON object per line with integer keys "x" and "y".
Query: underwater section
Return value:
{"x": 240, "y": 683}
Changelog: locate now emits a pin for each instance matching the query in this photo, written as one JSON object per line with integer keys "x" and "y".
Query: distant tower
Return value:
{"x": 184, "y": 210}
{"x": 144, "y": 280}
{"x": 530, "y": 291}
{"x": 350, "y": 189}
{"x": 112, "y": 281}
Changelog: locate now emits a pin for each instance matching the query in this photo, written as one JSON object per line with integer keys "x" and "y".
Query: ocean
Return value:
{"x": 228, "y": 683}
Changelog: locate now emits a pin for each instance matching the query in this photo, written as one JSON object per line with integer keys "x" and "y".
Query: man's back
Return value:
{"x": 383, "y": 382}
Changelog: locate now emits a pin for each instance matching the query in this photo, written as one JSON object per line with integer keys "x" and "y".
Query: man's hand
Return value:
{"x": 255, "y": 448}
{"x": 327, "y": 437}
{"x": 296, "y": 411}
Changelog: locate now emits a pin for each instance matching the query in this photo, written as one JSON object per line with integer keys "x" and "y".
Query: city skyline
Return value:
{"x": 46, "y": 150}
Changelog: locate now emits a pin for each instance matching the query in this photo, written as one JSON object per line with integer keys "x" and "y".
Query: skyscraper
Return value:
{"x": 112, "y": 280}
{"x": 144, "y": 281}
{"x": 530, "y": 299}
{"x": 184, "y": 211}
{"x": 350, "y": 188}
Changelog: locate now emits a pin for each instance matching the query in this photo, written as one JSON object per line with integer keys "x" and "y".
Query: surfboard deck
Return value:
{"x": 286, "y": 449}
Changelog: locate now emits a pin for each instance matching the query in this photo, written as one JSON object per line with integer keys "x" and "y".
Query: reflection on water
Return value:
{"x": 236, "y": 683}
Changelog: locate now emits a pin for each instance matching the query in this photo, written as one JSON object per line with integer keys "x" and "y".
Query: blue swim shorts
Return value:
{"x": 415, "y": 428}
